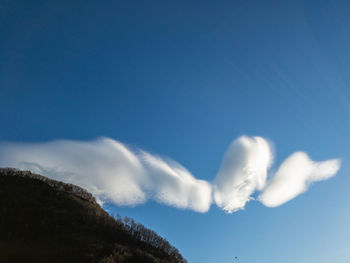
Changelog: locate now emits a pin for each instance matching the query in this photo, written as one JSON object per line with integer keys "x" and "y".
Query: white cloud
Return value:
{"x": 243, "y": 171}
{"x": 113, "y": 172}
{"x": 175, "y": 185}
{"x": 105, "y": 167}
{"x": 294, "y": 176}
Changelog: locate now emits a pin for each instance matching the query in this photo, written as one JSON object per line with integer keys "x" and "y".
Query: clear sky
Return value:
{"x": 183, "y": 79}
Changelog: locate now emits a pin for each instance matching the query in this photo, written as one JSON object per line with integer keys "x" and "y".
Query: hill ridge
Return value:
{"x": 57, "y": 185}
{"x": 44, "y": 220}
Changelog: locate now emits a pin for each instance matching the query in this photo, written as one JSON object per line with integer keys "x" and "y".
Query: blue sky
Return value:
{"x": 183, "y": 79}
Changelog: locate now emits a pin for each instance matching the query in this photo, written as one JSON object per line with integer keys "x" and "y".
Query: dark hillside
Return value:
{"x": 43, "y": 220}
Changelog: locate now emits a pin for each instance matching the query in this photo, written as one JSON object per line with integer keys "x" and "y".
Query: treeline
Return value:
{"x": 140, "y": 232}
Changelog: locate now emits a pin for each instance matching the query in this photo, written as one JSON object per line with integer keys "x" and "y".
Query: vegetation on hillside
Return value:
{"x": 40, "y": 222}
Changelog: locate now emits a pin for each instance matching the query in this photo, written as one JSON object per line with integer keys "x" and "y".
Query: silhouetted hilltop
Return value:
{"x": 43, "y": 220}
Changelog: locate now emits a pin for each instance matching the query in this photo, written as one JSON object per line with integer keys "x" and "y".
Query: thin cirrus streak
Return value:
{"x": 115, "y": 173}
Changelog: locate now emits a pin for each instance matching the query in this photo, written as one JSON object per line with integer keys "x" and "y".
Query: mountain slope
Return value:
{"x": 43, "y": 220}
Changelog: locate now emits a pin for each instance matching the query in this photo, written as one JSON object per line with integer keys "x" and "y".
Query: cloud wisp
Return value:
{"x": 114, "y": 172}
{"x": 111, "y": 171}
{"x": 294, "y": 176}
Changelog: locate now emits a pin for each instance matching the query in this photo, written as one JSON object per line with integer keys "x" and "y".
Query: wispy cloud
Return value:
{"x": 171, "y": 184}
{"x": 116, "y": 173}
{"x": 294, "y": 176}
{"x": 111, "y": 171}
